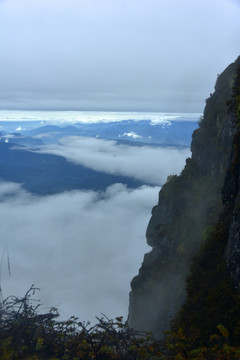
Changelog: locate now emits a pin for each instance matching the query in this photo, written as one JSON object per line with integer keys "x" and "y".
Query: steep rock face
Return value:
{"x": 187, "y": 210}
{"x": 231, "y": 192}
{"x": 213, "y": 285}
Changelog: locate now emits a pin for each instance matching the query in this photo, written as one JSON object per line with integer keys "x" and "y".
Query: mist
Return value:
{"x": 145, "y": 163}
{"x": 81, "y": 248}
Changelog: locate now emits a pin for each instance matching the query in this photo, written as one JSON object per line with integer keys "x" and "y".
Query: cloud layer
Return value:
{"x": 80, "y": 248}
{"x": 149, "y": 164}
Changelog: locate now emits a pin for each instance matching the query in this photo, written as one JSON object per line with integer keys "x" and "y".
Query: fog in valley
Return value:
{"x": 82, "y": 248}
{"x": 144, "y": 163}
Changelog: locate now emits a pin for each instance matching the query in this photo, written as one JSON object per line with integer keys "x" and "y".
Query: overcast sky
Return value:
{"x": 124, "y": 55}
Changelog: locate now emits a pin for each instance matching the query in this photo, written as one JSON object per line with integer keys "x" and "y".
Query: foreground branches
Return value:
{"x": 27, "y": 334}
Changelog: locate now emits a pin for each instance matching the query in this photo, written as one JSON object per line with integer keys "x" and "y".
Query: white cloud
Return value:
{"x": 8, "y": 136}
{"x": 149, "y": 164}
{"x": 9, "y": 189}
{"x": 80, "y": 248}
{"x": 131, "y": 134}
{"x": 45, "y": 135}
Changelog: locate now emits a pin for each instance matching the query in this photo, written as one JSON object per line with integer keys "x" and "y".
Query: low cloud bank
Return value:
{"x": 145, "y": 163}
{"x": 80, "y": 248}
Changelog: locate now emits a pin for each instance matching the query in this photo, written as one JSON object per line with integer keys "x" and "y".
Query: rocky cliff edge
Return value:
{"x": 188, "y": 209}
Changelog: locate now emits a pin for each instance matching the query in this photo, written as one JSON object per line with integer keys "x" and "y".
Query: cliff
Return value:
{"x": 188, "y": 212}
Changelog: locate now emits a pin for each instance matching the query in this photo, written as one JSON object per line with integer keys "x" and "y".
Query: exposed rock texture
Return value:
{"x": 188, "y": 208}
{"x": 231, "y": 193}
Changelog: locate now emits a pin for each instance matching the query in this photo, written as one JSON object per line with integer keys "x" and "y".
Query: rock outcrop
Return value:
{"x": 188, "y": 209}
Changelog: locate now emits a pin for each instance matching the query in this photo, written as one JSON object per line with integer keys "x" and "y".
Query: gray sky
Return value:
{"x": 128, "y": 55}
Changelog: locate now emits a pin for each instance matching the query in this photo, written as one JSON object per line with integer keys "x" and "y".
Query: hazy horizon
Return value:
{"x": 95, "y": 116}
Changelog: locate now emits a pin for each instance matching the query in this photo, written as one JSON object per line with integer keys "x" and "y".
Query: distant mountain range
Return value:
{"x": 172, "y": 133}
{"x": 49, "y": 174}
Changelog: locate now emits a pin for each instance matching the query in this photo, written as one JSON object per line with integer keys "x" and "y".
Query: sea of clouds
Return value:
{"x": 148, "y": 164}
{"x": 82, "y": 248}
